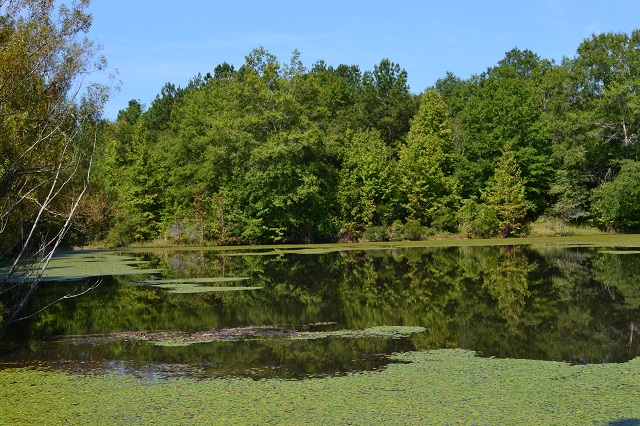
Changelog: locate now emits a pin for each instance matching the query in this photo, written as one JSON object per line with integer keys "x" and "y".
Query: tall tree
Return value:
{"x": 386, "y": 102}
{"x": 428, "y": 191}
{"x": 572, "y": 178}
{"x": 592, "y": 105}
{"x": 605, "y": 84}
{"x": 367, "y": 186}
{"x": 158, "y": 116}
{"x": 47, "y": 113}
{"x": 505, "y": 193}
{"x": 506, "y": 108}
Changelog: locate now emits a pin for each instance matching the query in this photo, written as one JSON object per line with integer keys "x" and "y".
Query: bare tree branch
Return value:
{"x": 47, "y": 109}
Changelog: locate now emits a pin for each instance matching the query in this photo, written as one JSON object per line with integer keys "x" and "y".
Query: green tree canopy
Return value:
{"x": 615, "y": 203}
{"x": 49, "y": 119}
{"x": 428, "y": 191}
{"x": 505, "y": 193}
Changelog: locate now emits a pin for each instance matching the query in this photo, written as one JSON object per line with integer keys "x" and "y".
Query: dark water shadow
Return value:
{"x": 253, "y": 358}
{"x": 624, "y": 422}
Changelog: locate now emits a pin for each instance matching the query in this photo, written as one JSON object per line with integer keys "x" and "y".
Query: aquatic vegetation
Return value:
{"x": 175, "y": 338}
{"x": 301, "y": 325}
{"x": 66, "y": 266}
{"x": 195, "y": 285}
{"x": 600, "y": 240}
{"x": 192, "y": 280}
{"x": 187, "y": 288}
{"x": 434, "y": 387}
{"x": 390, "y": 332}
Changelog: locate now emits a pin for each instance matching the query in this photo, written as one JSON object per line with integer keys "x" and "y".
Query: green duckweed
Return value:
{"x": 435, "y": 387}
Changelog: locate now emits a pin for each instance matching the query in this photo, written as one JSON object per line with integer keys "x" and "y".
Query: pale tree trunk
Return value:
{"x": 47, "y": 111}
{"x": 25, "y": 274}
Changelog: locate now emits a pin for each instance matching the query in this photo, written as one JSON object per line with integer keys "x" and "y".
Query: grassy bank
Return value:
{"x": 438, "y": 387}
{"x": 545, "y": 227}
{"x": 597, "y": 240}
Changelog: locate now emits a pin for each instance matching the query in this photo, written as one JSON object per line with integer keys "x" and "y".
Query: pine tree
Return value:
{"x": 505, "y": 192}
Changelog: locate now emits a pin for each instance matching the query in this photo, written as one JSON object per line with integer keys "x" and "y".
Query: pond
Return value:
{"x": 318, "y": 311}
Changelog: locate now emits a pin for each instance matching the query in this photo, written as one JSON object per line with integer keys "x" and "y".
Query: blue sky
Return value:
{"x": 154, "y": 42}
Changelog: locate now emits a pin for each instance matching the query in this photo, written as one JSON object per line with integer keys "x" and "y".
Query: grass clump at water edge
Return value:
{"x": 436, "y": 387}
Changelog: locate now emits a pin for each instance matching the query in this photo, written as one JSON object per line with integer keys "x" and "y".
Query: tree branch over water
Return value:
{"x": 50, "y": 121}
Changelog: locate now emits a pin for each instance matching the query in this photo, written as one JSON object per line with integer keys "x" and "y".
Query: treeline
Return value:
{"x": 274, "y": 152}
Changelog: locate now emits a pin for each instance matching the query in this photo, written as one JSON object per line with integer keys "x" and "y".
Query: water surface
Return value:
{"x": 308, "y": 312}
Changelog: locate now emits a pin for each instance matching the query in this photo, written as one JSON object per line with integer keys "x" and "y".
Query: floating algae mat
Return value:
{"x": 186, "y": 288}
{"x": 165, "y": 338}
{"x": 197, "y": 285}
{"x": 193, "y": 280}
{"x": 77, "y": 265}
{"x": 428, "y": 387}
{"x": 636, "y": 252}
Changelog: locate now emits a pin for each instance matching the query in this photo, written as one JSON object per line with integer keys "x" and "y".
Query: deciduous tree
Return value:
{"x": 428, "y": 191}
{"x": 505, "y": 192}
{"x": 615, "y": 203}
{"x": 48, "y": 113}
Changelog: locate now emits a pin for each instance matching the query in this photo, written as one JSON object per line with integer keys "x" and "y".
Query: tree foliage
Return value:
{"x": 49, "y": 116}
{"x": 366, "y": 189}
{"x": 505, "y": 193}
{"x": 615, "y": 203}
{"x": 427, "y": 189}
{"x": 271, "y": 151}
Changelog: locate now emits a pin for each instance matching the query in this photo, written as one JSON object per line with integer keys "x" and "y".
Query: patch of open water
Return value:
{"x": 293, "y": 315}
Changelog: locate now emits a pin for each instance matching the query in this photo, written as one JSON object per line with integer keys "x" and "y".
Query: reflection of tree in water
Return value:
{"x": 508, "y": 283}
{"x": 619, "y": 272}
{"x": 403, "y": 287}
{"x": 559, "y": 303}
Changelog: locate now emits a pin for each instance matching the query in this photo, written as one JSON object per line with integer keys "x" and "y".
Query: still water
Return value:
{"x": 312, "y": 313}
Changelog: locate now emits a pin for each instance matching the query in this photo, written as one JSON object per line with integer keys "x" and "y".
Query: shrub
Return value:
{"x": 445, "y": 219}
{"x": 478, "y": 220}
{"x": 615, "y": 204}
{"x": 396, "y": 231}
{"x": 413, "y": 230}
{"x": 550, "y": 226}
{"x": 375, "y": 234}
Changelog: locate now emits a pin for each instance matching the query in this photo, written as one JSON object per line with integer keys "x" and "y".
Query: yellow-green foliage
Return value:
{"x": 554, "y": 227}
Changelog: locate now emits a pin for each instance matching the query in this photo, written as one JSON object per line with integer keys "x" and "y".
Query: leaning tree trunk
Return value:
{"x": 49, "y": 116}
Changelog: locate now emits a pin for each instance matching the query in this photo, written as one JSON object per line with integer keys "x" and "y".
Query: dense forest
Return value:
{"x": 276, "y": 152}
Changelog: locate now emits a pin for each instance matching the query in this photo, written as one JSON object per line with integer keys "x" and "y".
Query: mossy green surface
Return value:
{"x": 196, "y": 280}
{"x": 436, "y": 387}
{"x": 599, "y": 240}
{"x": 197, "y": 285}
{"x": 391, "y": 332}
{"x": 173, "y": 338}
{"x": 75, "y": 265}
{"x": 185, "y": 288}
